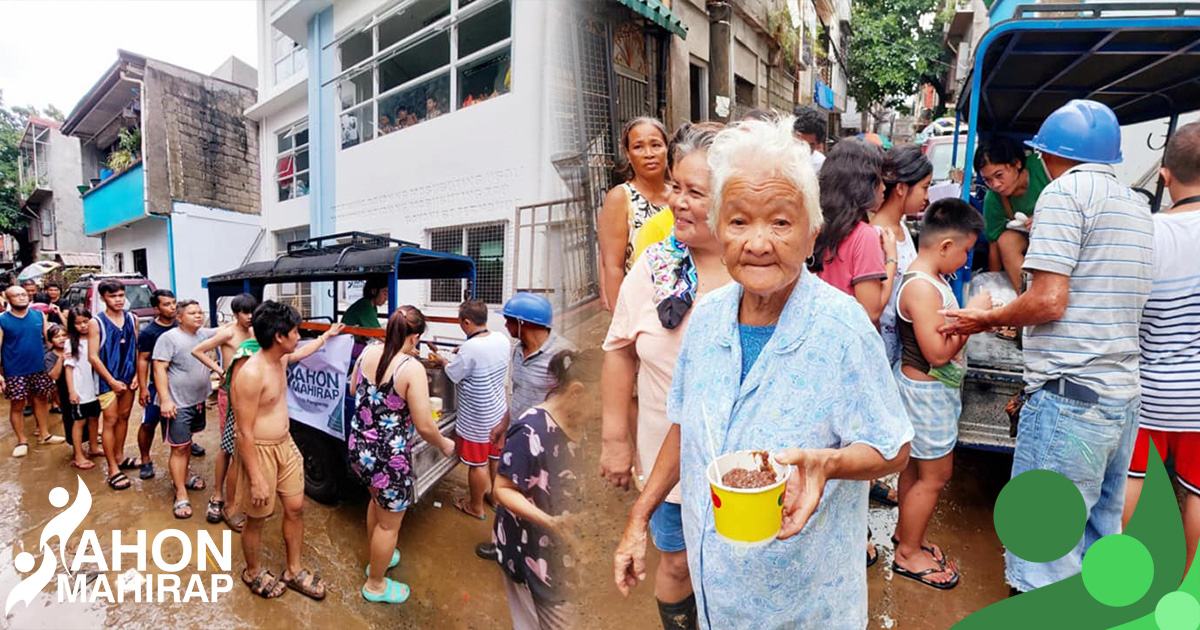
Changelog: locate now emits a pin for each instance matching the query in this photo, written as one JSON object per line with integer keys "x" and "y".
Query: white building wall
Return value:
{"x": 150, "y": 234}
{"x": 209, "y": 241}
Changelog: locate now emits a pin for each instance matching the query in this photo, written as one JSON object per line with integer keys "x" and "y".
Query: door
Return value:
{"x": 139, "y": 262}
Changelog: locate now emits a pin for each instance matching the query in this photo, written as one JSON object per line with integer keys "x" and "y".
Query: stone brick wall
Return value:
{"x": 201, "y": 149}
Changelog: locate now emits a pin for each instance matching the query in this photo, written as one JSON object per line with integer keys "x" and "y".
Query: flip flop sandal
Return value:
{"x": 393, "y": 593}
{"x": 128, "y": 463}
{"x": 197, "y": 450}
{"x": 307, "y": 584}
{"x": 932, "y": 551}
{"x": 920, "y": 577}
{"x": 52, "y": 439}
{"x": 21, "y": 450}
{"x": 235, "y": 522}
{"x": 871, "y": 560}
{"x": 119, "y": 482}
{"x": 146, "y": 471}
{"x": 1007, "y": 333}
{"x": 461, "y": 505}
{"x": 93, "y": 454}
{"x": 195, "y": 482}
{"x": 178, "y": 509}
{"x": 391, "y": 565}
{"x": 84, "y": 466}
{"x": 265, "y": 585}
{"x": 213, "y": 513}
{"x": 879, "y": 494}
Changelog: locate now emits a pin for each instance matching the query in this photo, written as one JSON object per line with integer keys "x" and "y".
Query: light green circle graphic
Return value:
{"x": 1040, "y": 515}
{"x": 1118, "y": 570}
{"x": 1177, "y": 611}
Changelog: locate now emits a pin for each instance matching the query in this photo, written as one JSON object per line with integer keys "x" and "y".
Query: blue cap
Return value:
{"x": 530, "y": 308}
{"x": 1081, "y": 130}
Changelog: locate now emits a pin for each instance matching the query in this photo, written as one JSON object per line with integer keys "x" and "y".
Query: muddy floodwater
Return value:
{"x": 452, "y": 588}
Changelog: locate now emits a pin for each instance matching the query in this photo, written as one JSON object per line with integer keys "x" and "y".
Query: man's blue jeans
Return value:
{"x": 1090, "y": 444}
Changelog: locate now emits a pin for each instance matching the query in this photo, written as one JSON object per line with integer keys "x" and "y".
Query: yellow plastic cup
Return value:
{"x": 747, "y": 517}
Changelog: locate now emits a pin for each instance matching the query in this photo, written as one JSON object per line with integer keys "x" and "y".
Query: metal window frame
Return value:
{"x": 295, "y": 52}
{"x": 449, "y": 23}
{"x": 291, "y": 130}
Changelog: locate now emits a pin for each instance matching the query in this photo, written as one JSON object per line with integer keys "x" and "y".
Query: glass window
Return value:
{"x": 484, "y": 28}
{"x": 411, "y": 19}
{"x": 485, "y": 78}
{"x": 414, "y": 61}
{"x": 414, "y": 75}
{"x": 289, "y": 56}
{"x": 356, "y": 49}
{"x": 291, "y": 163}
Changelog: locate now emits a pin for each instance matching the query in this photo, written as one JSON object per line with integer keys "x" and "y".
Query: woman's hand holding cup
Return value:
{"x": 805, "y": 488}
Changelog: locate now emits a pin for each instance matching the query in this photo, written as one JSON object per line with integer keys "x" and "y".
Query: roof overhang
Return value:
{"x": 660, "y": 14}
{"x": 108, "y": 98}
{"x": 291, "y": 17}
{"x": 960, "y": 24}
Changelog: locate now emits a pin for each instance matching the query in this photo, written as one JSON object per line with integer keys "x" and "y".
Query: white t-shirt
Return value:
{"x": 83, "y": 379}
{"x": 818, "y": 159}
{"x": 480, "y": 369}
{"x": 1170, "y": 329}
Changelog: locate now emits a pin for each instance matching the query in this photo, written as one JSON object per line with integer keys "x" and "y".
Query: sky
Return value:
{"x": 54, "y": 51}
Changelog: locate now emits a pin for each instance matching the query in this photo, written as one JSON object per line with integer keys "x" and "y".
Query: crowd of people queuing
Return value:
{"x": 519, "y": 445}
{"x": 791, "y": 308}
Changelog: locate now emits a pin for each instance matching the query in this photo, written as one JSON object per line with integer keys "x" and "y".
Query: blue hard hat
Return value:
{"x": 1081, "y": 130}
{"x": 531, "y": 308}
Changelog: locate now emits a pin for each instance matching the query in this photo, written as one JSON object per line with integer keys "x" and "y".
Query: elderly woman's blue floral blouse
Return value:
{"x": 821, "y": 381}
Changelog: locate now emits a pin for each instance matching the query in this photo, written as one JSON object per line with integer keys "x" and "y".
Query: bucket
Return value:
{"x": 435, "y": 404}
{"x": 747, "y": 517}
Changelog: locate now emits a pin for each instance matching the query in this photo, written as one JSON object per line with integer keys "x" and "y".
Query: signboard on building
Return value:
{"x": 317, "y": 386}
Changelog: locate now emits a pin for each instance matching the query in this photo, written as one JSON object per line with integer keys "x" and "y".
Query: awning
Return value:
{"x": 657, "y": 12}
{"x": 79, "y": 259}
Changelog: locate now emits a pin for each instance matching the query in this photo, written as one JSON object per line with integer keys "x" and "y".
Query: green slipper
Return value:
{"x": 391, "y": 565}
{"x": 393, "y": 593}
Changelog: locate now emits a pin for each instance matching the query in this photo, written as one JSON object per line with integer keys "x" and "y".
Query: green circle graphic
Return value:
{"x": 1040, "y": 515}
{"x": 1118, "y": 570}
{"x": 1177, "y": 611}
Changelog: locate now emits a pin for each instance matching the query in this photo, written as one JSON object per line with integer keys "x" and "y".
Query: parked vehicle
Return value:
{"x": 137, "y": 293}
{"x": 353, "y": 256}
{"x": 1135, "y": 58}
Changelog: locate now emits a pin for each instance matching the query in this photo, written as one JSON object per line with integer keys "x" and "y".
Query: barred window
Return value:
{"x": 296, "y": 294}
{"x": 482, "y": 243}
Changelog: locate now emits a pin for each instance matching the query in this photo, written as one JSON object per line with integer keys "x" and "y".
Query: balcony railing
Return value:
{"x": 116, "y": 201}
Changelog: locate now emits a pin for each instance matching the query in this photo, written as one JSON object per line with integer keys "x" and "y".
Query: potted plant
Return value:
{"x": 129, "y": 147}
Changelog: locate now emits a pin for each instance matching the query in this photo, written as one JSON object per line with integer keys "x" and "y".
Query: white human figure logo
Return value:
{"x": 61, "y": 526}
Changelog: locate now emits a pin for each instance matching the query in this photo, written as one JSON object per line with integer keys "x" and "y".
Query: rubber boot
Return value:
{"x": 680, "y": 615}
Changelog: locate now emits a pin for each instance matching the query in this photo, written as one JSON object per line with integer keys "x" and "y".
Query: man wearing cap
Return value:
{"x": 1090, "y": 256}
{"x": 528, "y": 319}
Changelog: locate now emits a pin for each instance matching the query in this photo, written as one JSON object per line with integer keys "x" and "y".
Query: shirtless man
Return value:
{"x": 112, "y": 351}
{"x": 228, "y": 338}
{"x": 271, "y": 463}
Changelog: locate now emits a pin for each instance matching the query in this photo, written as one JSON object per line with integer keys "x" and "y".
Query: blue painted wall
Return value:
{"x": 117, "y": 201}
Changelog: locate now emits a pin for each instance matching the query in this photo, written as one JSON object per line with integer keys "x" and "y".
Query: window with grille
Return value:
{"x": 422, "y": 59}
{"x": 297, "y": 294}
{"x": 288, "y": 55}
{"x": 291, "y": 162}
{"x": 482, "y": 243}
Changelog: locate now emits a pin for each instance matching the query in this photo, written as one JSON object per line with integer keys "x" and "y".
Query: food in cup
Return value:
{"x": 745, "y": 478}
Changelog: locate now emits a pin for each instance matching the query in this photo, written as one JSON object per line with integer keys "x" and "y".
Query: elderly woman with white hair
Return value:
{"x": 779, "y": 361}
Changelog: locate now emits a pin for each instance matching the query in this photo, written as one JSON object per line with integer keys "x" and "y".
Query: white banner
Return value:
{"x": 317, "y": 386}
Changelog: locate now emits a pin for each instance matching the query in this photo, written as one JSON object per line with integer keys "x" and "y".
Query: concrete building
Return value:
{"x": 50, "y": 175}
{"x": 425, "y": 120}
{"x": 175, "y": 169}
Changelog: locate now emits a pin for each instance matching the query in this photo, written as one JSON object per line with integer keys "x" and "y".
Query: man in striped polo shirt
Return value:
{"x": 1090, "y": 256}
{"x": 1170, "y": 337}
{"x": 480, "y": 370}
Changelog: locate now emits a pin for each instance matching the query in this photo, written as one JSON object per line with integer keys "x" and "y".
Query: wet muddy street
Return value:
{"x": 451, "y": 587}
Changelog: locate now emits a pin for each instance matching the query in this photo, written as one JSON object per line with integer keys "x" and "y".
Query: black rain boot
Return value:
{"x": 680, "y": 615}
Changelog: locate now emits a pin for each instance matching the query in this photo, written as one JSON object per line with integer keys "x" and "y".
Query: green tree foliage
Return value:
{"x": 895, "y": 46}
{"x": 12, "y": 220}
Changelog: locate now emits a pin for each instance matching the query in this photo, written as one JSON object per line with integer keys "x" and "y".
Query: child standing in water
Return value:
{"x": 82, "y": 403}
